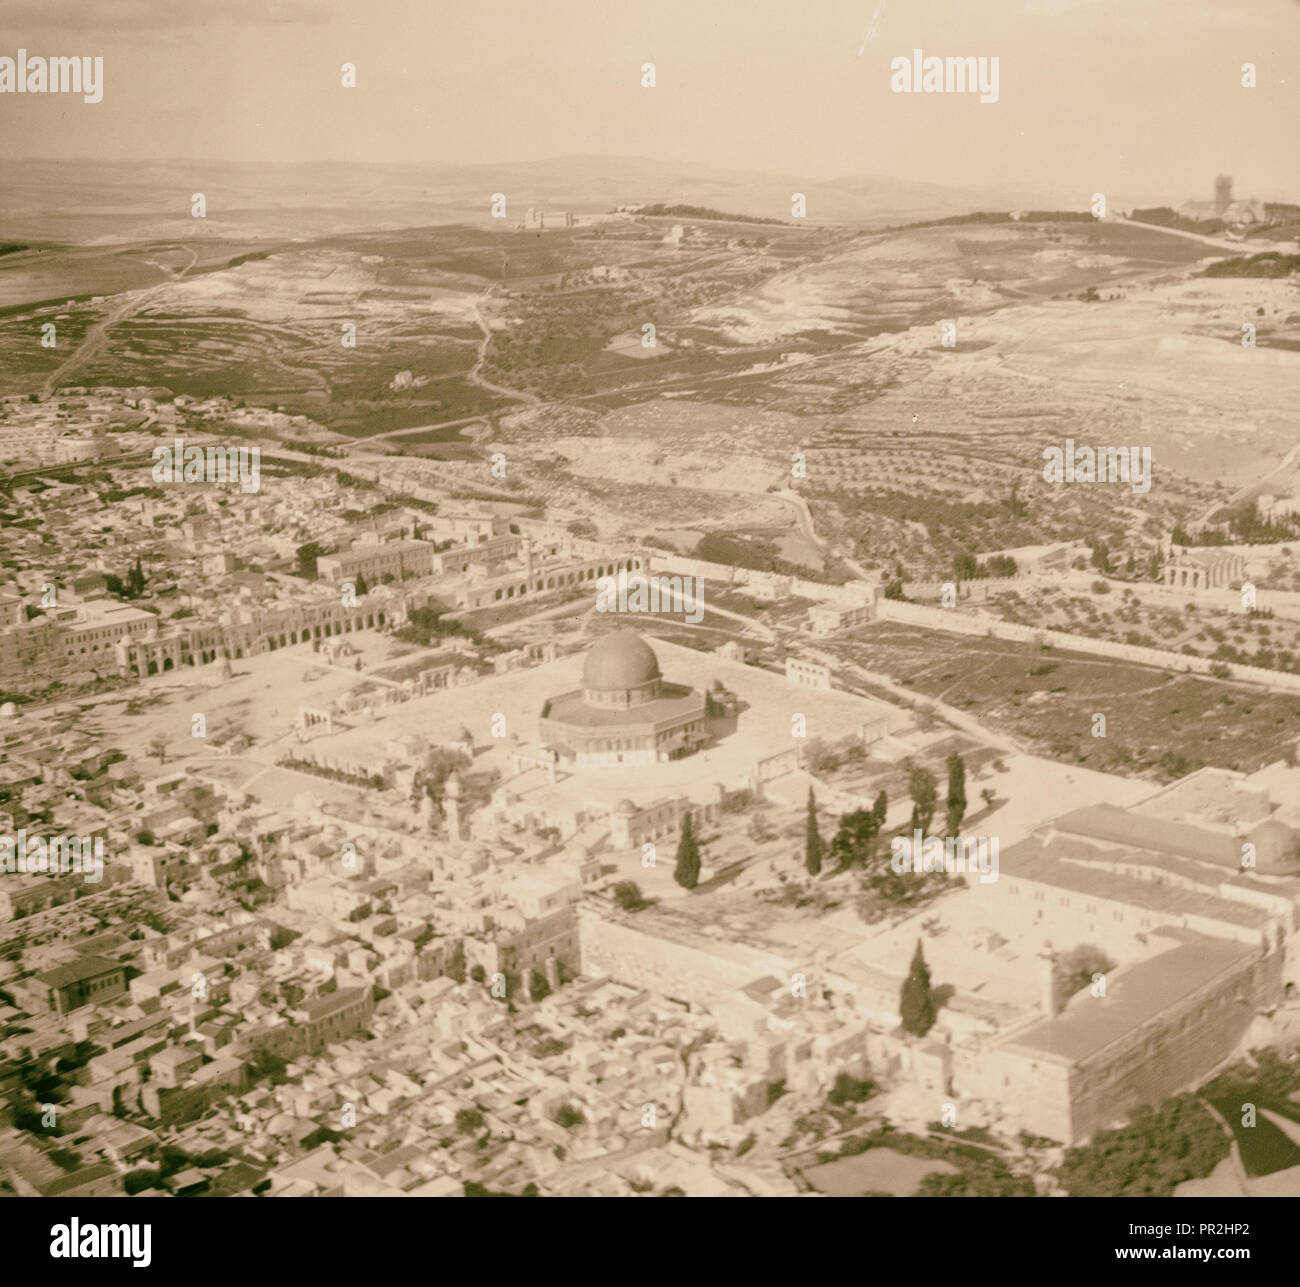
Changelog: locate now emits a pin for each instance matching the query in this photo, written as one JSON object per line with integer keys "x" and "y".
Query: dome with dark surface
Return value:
{"x": 619, "y": 662}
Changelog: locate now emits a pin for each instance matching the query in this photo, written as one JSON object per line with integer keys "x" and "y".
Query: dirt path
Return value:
{"x": 96, "y": 336}
{"x": 805, "y": 521}
{"x": 1221, "y": 244}
{"x": 474, "y": 378}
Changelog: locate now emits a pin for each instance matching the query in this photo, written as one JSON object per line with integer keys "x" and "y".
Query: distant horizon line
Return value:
{"x": 986, "y": 187}
{"x": 546, "y": 160}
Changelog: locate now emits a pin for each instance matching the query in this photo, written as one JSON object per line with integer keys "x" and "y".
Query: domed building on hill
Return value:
{"x": 1277, "y": 848}
{"x": 625, "y": 712}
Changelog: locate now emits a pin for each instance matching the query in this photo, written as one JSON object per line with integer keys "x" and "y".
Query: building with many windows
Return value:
{"x": 68, "y": 987}
{"x": 398, "y": 560}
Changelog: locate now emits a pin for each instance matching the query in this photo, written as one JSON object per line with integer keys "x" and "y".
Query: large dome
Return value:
{"x": 618, "y": 662}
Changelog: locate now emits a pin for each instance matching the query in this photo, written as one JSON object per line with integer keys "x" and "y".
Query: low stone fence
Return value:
{"x": 968, "y": 623}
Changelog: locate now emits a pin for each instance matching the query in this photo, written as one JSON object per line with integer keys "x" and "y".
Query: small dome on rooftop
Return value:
{"x": 1275, "y": 846}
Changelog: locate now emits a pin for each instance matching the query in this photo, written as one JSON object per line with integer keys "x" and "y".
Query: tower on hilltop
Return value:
{"x": 1222, "y": 193}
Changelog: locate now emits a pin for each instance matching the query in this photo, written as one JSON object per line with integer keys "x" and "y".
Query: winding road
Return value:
{"x": 94, "y": 338}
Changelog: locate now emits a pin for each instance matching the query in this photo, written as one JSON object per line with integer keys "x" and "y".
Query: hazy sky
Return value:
{"x": 1111, "y": 95}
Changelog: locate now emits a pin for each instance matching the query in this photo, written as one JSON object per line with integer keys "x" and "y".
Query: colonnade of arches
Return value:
{"x": 153, "y": 659}
{"x": 558, "y": 580}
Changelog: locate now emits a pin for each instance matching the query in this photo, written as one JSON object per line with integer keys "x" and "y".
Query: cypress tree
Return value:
{"x": 538, "y": 988}
{"x": 916, "y": 1001}
{"x": 455, "y": 967}
{"x": 135, "y": 580}
{"x": 687, "y": 871}
{"x": 925, "y": 793}
{"x": 880, "y": 808}
{"x": 812, "y": 851}
{"x": 956, "y": 793}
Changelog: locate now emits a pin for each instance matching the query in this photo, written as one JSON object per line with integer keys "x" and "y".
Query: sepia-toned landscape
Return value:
{"x": 642, "y": 669}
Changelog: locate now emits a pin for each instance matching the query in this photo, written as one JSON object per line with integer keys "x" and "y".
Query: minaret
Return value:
{"x": 1222, "y": 193}
{"x": 451, "y": 806}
